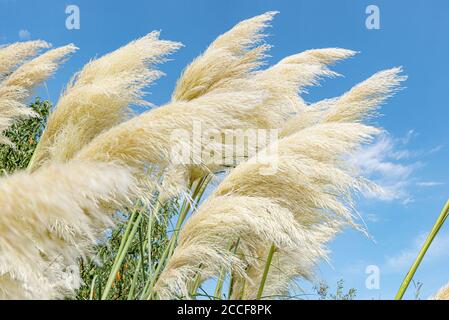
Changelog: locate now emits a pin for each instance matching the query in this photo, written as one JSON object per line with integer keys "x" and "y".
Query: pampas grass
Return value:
{"x": 17, "y": 53}
{"x": 99, "y": 97}
{"x": 265, "y": 226}
{"x": 232, "y": 55}
{"x": 18, "y": 85}
{"x": 253, "y": 105}
{"x": 42, "y": 232}
{"x": 358, "y": 104}
{"x": 297, "y": 208}
{"x": 220, "y": 90}
{"x": 287, "y": 208}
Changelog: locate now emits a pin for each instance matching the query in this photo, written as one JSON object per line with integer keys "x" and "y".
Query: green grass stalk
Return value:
{"x": 435, "y": 229}
{"x": 265, "y": 272}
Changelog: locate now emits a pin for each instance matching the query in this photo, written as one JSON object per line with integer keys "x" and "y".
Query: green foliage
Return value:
{"x": 323, "y": 292}
{"x": 24, "y": 134}
{"x": 138, "y": 265}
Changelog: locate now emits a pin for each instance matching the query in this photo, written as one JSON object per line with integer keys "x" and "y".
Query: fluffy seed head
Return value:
{"x": 16, "y": 88}
{"x": 17, "y": 53}
{"x": 49, "y": 219}
{"x": 232, "y": 55}
{"x": 99, "y": 97}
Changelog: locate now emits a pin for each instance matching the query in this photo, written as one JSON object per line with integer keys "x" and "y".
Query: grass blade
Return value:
{"x": 435, "y": 229}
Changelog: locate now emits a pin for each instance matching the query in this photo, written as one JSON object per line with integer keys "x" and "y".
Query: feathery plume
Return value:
{"x": 360, "y": 103}
{"x": 442, "y": 294}
{"x": 306, "y": 199}
{"x": 47, "y": 224}
{"x": 254, "y": 103}
{"x": 99, "y": 97}
{"x": 232, "y": 55}
{"x": 17, "y": 53}
{"x": 38, "y": 69}
{"x": 16, "y": 88}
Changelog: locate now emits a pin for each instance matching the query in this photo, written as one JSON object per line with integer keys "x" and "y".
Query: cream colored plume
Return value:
{"x": 16, "y": 88}
{"x": 297, "y": 207}
{"x": 17, "y": 53}
{"x": 232, "y": 55}
{"x": 360, "y": 103}
{"x": 49, "y": 219}
{"x": 99, "y": 97}
{"x": 302, "y": 187}
{"x": 254, "y": 103}
{"x": 442, "y": 294}
{"x": 176, "y": 125}
{"x": 243, "y": 99}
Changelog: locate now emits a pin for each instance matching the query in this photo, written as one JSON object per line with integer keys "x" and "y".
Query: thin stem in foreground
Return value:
{"x": 435, "y": 229}
{"x": 265, "y": 272}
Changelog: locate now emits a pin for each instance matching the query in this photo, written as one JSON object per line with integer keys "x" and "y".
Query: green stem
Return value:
{"x": 231, "y": 274}
{"x": 219, "y": 287}
{"x": 126, "y": 234}
{"x": 196, "y": 284}
{"x": 148, "y": 289}
{"x": 154, "y": 213}
{"x": 222, "y": 276}
{"x": 92, "y": 288}
{"x": 142, "y": 254}
{"x": 198, "y": 190}
{"x": 265, "y": 272}
{"x": 134, "y": 281}
{"x": 436, "y": 227}
{"x": 120, "y": 257}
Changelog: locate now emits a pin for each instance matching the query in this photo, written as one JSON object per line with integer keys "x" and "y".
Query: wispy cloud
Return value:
{"x": 391, "y": 164}
{"x": 24, "y": 34}
{"x": 372, "y": 217}
{"x": 403, "y": 260}
{"x": 429, "y": 183}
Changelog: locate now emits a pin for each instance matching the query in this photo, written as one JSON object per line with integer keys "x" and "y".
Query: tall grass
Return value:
{"x": 125, "y": 220}
{"x": 19, "y": 77}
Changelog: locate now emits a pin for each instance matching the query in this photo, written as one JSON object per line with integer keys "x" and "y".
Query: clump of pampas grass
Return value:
{"x": 282, "y": 204}
{"x": 221, "y": 90}
{"x": 297, "y": 208}
{"x": 49, "y": 219}
{"x": 17, "y": 86}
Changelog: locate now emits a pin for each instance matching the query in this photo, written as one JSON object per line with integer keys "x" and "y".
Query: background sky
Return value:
{"x": 410, "y": 162}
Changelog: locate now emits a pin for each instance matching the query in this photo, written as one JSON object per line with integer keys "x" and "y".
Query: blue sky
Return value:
{"x": 410, "y": 162}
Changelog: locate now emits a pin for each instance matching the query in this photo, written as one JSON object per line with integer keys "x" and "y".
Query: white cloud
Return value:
{"x": 24, "y": 34}
{"x": 429, "y": 183}
{"x": 403, "y": 260}
{"x": 390, "y": 165}
{"x": 372, "y": 217}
